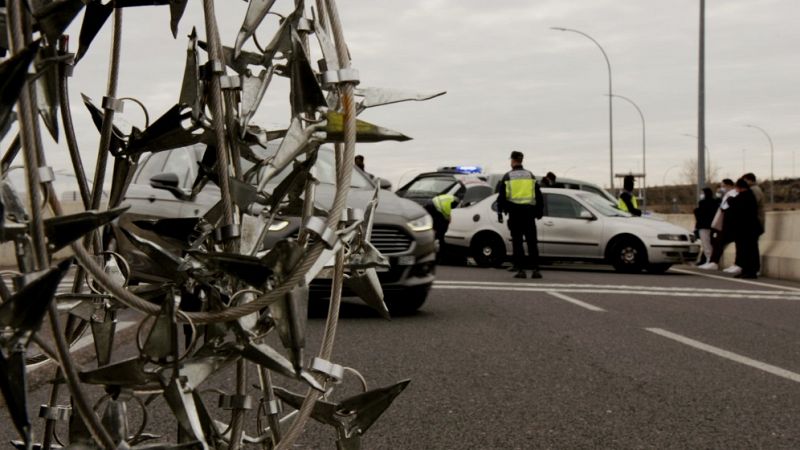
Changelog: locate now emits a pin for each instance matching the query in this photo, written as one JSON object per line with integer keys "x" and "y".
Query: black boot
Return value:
{"x": 520, "y": 274}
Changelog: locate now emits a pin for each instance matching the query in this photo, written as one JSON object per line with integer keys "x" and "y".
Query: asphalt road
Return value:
{"x": 583, "y": 358}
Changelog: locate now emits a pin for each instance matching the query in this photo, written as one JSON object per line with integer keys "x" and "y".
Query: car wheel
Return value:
{"x": 628, "y": 255}
{"x": 658, "y": 268}
{"x": 407, "y": 301}
{"x": 488, "y": 250}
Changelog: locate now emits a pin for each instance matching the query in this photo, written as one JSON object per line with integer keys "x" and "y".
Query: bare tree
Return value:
{"x": 689, "y": 172}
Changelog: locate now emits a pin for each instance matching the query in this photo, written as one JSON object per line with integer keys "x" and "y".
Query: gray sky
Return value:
{"x": 514, "y": 84}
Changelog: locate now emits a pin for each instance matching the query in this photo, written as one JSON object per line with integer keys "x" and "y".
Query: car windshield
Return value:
{"x": 429, "y": 186}
{"x": 602, "y": 205}
{"x": 323, "y": 170}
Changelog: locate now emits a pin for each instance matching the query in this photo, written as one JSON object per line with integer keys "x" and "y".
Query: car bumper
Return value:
{"x": 673, "y": 254}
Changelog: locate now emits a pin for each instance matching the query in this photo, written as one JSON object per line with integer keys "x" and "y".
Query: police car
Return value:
{"x": 577, "y": 226}
{"x": 466, "y": 183}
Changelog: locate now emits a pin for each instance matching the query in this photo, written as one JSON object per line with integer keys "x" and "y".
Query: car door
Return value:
{"x": 568, "y": 229}
{"x": 143, "y": 198}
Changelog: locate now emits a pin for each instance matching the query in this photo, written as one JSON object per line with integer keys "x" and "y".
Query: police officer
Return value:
{"x": 627, "y": 200}
{"x": 443, "y": 205}
{"x": 521, "y": 198}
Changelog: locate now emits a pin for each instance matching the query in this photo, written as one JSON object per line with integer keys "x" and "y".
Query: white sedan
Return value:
{"x": 577, "y": 226}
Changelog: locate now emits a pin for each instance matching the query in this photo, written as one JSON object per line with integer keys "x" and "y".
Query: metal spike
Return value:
{"x": 13, "y": 72}
{"x": 97, "y": 117}
{"x": 93, "y": 20}
{"x": 128, "y": 373}
{"x": 369, "y": 406}
{"x": 181, "y": 402}
{"x": 167, "y": 263}
{"x": 25, "y": 310}
{"x": 323, "y": 412}
{"x": 180, "y": 229}
{"x": 166, "y": 133}
{"x": 266, "y": 356}
{"x": 306, "y": 94}
{"x": 366, "y": 285}
{"x": 176, "y": 9}
{"x": 47, "y": 90}
{"x": 240, "y": 64}
{"x": 103, "y": 337}
{"x": 63, "y": 230}
{"x": 197, "y": 369}
{"x": 191, "y": 89}
{"x": 256, "y": 11}
{"x": 290, "y": 314}
{"x": 56, "y": 16}
{"x": 250, "y": 269}
{"x": 162, "y": 342}
{"x": 327, "y": 46}
{"x": 365, "y": 131}
{"x": 383, "y": 96}
{"x": 12, "y": 385}
{"x": 296, "y": 141}
{"x": 253, "y": 90}
{"x": 115, "y": 419}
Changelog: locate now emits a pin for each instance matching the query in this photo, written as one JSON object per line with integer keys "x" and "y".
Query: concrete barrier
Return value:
{"x": 779, "y": 245}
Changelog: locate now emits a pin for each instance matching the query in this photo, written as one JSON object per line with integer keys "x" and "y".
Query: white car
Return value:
{"x": 577, "y": 225}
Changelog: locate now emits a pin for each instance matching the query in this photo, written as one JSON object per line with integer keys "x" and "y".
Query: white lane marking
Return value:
{"x": 82, "y": 343}
{"x": 558, "y": 286}
{"x": 724, "y": 295}
{"x": 769, "y": 368}
{"x": 575, "y": 301}
{"x": 736, "y": 280}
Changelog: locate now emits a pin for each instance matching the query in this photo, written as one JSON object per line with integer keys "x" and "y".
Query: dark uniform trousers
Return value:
{"x": 522, "y": 223}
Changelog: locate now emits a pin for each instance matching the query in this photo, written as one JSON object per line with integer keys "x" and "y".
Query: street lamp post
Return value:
{"x": 644, "y": 149}
{"x": 610, "y": 103}
{"x": 771, "y": 162}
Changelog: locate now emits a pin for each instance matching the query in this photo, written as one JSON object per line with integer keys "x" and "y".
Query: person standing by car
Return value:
{"x": 703, "y": 215}
{"x": 743, "y": 212}
{"x": 759, "y": 195}
{"x": 521, "y": 198}
{"x": 721, "y": 236}
{"x": 627, "y": 200}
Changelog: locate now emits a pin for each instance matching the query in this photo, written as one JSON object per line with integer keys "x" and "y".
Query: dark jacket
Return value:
{"x": 626, "y": 197}
{"x": 742, "y": 216}
{"x": 503, "y": 205}
{"x": 704, "y": 213}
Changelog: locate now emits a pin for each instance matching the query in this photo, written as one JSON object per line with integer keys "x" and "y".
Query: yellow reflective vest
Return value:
{"x": 621, "y": 203}
{"x": 444, "y": 204}
{"x": 521, "y": 187}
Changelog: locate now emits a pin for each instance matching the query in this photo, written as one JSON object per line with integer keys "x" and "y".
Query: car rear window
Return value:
{"x": 430, "y": 186}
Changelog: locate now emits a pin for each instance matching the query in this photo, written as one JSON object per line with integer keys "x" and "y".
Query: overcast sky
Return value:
{"x": 514, "y": 84}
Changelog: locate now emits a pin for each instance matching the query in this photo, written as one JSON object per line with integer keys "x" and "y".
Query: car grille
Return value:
{"x": 390, "y": 239}
{"x": 387, "y": 239}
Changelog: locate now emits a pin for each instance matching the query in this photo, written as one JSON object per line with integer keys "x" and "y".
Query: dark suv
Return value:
{"x": 402, "y": 230}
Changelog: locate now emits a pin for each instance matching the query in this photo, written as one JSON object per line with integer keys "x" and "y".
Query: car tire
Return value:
{"x": 658, "y": 269}
{"x": 488, "y": 250}
{"x": 628, "y": 255}
{"x": 407, "y": 301}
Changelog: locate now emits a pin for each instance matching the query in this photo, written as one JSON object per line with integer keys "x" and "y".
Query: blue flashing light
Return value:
{"x": 469, "y": 169}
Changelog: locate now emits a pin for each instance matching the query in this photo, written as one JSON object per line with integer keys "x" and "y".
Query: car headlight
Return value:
{"x": 278, "y": 225}
{"x": 672, "y": 237}
{"x": 424, "y": 223}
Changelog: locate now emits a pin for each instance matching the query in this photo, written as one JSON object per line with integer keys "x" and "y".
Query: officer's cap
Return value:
{"x": 517, "y": 156}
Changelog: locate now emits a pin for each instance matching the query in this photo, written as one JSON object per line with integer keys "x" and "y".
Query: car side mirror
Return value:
{"x": 586, "y": 215}
{"x": 169, "y": 182}
{"x": 384, "y": 183}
